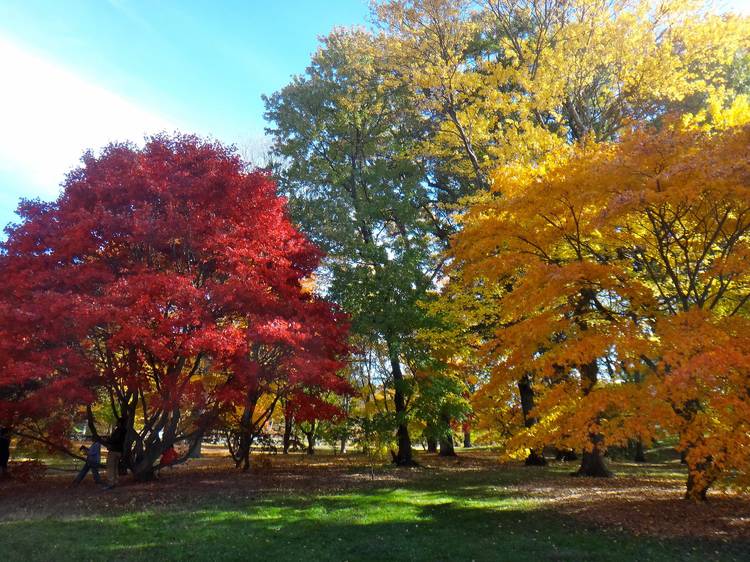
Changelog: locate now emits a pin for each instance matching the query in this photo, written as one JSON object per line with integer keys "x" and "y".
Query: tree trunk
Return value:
{"x": 447, "y": 448}
{"x": 640, "y": 455}
{"x": 526, "y": 392}
{"x": 246, "y": 438}
{"x": 141, "y": 454}
{"x": 245, "y": 459}
{"x": 287, "y": 439}
{"x": 342, "y": 446}
{"x": 698, "y": 484}
{"x": 311, "y": 439}
{"x": 535, "y": 459}
{"x": 404, "y": 455}
{"x": 243, "y": 455}
{"x": 310, "y": 443}
{"x": 432, "y": 444}
{"x": 467, "y": 438}
{"x": 701, "y": 475}
{"x": 592, "y": 463}
{"x": 196, "y": 452}
{"x": 566, "y": 455}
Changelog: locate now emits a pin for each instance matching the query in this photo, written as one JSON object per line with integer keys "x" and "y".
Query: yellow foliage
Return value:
{"x": 581, "y": 68}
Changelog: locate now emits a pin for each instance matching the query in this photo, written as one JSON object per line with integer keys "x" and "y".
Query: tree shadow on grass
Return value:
{"x": 378, "y": 524}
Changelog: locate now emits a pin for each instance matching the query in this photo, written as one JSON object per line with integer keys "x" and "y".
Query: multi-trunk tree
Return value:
{"x": 627, "y": 291}
{"x": 296, "y": 363}
{"x": 153, "y": 285}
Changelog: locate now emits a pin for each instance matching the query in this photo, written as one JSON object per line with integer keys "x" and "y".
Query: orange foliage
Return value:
{"x": 623, "y": 290}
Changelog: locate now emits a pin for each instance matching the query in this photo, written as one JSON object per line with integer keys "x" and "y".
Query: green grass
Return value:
{"x": 439, "y": 517}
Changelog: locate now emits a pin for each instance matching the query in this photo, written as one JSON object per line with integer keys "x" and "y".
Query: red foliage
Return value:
{"x": 157, "y": 276}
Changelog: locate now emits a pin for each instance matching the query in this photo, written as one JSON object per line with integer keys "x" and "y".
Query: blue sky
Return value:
{"x": 79, "y": 73}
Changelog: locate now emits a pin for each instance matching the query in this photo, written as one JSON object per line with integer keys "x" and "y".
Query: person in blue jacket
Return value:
{"x": 93, "y": 459}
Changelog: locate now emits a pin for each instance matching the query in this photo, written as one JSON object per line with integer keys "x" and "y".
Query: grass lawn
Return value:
{"x": 332, "y": 509}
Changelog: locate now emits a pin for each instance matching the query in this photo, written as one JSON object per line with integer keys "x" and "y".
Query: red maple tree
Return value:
{"x": 166, "y": 283}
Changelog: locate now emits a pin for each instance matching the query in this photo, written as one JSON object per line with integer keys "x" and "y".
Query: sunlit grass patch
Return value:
{"x": 457, "y": 511}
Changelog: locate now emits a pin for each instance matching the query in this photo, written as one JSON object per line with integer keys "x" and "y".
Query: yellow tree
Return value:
{"x": 475, "y": 113}
{"x": 588, "y": 65}
{"x": 550, "y": 72}
{"x": 565, "y": 307}
{"x": 503, "y": 81}
{"x": 466, "y": 315}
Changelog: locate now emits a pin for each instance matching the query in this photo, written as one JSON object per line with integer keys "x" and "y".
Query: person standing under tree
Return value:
{"x": 115, "y": 445}
{"x": 93, "y": 458}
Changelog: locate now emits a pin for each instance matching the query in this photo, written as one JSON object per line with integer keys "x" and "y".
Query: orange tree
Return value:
{"x": 621, "y": 291}
{"x": 486, "y": 80}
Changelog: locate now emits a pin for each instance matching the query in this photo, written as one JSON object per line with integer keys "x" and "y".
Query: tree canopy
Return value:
{"x": 165, "y": 282}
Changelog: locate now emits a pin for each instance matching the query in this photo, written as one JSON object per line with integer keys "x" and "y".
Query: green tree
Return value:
{"x": 342, "y": 141}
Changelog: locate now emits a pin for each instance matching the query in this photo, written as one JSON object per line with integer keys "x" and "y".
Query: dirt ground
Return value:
{"x": 647, "y": 504}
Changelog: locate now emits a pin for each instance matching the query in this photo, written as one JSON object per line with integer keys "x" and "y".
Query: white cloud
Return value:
{"x": 49, "y": 116}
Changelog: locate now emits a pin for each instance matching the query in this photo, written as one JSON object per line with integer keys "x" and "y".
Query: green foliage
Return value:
{"x": 375, "y": 434}
{"x": 441, "y": 400}
{"x": 341, "y": 139}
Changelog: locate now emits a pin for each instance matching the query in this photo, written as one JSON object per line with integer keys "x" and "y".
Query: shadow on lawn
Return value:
{"x": 469, "y": 523}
